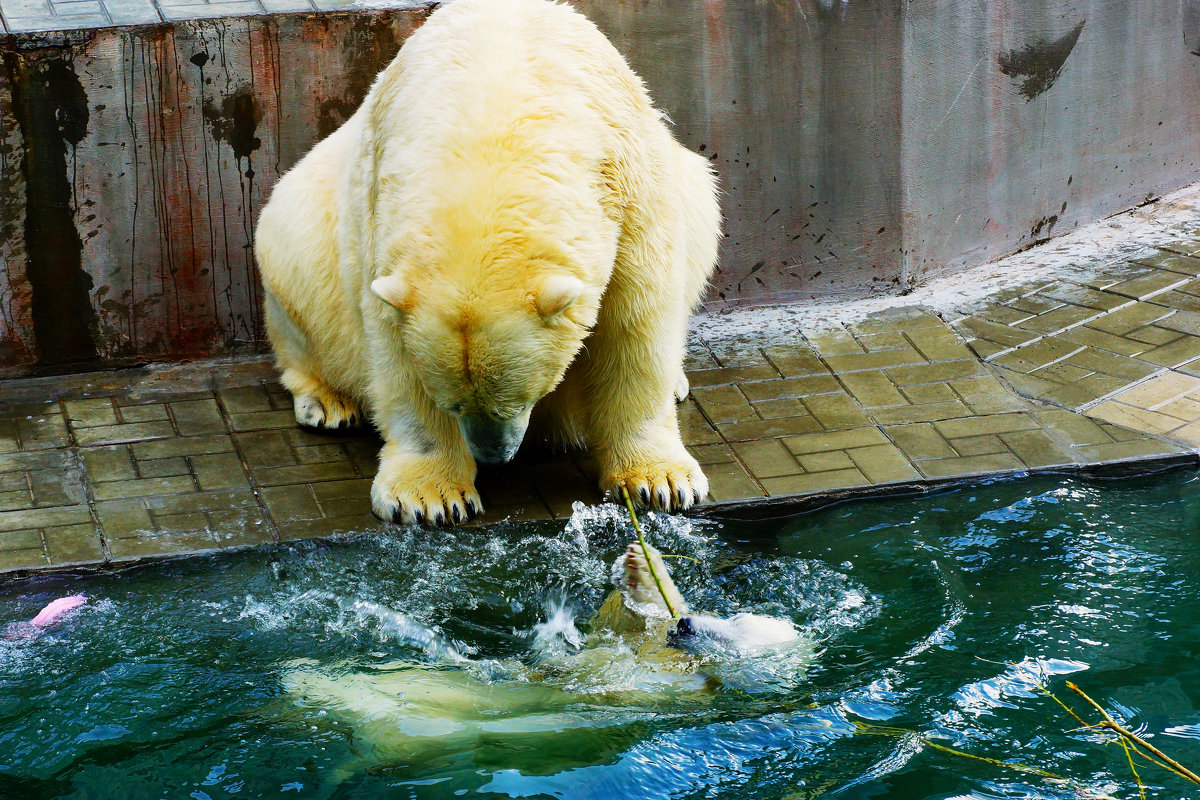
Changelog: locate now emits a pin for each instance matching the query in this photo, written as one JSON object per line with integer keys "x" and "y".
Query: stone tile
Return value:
{"x": 73, "y": 544}
{"x": 109, "y": 463}
{"x": 881, "y": 360}
{"x": 24, "y": 559}
{"x": 44, "y": 517}
{"x": 57, "y": 487}
{"x": 1085, "y": 296}
{"x": 1148, "y": 284}
{"x": 1183, "y": 408}
{"x": 926, "y": 412}
{"x": 91, "y": 412}
{"x": 266, "y": 449}
{"x": 730, "y": 375}
{"x": 835, "y": 440}
{"x": 729, "y": 481}
{"x": 244, "y": 399}
{"x": 883, "y": 464}
{"x": 219, "y": 471}
{"x": 813, "y": 482}
{"x": 1178, "y": 300}
{"x": 1000, "y": 334}
{"x": 132, "y": 12}
{"x": 920, "y": 440}
{"x": 1063, "y": 372}
{"x": 978, "y": 445}
{"x": 768, "y": 428}
{"x": 872, "y": 389}
{"x": 263, "y": 420}
{"x": 984, "y": 350}
{"x": 1085, "y": 391}
{"x": 1159, "y": 390}
{"x": 320, "y": 454}
{"x": 970, "y": 465}
{"x": 992, "y": 423}
{"x": 1173, "y": 262}
{"x": 197, "y": 417}
{"x": 1129, "y": 318}
{"x": 724, "y": 404}
{"x": 938, "y": 344}
{"x": 1120, "y": 451}
{"x": 286, "y": 6}
{"x": 936, "y": 373}
{"x": 766, "y": 459}
{"x": 796, "y": 362}
{"x": 1183, "y": 322}
{"x": 1102, "y": 340}
{"x": 1178, "y": 352}
{"x": 288, "y": 504}
{"x": 694, "y": 427}
{"x": 835, "y": 342}
{"x": 116, "y": 434}
{"x": 928, "y": 393}
{"x": 1112, "y": 364}
{"x": 1036, "y": 449}
{"x": 987, "y": 395}
{"x": 823, "y": 462}
{"x": 1000, "y": 314}
{"x": 121, "y": 518}
{"x": 43, "y": 431}
{"x": 304, "y": 473}
{"x": 1037, "y": 355}
{"x": 1131, "y": 417}
{"x": 835, "y": 411}
{"x": 1154, "y": 335}
{"x": 1059, "y": 319}
{"x": 120, "y": 490}
{"x": 790, "y": 388}
{"x": 880, "y": 342}
{"x": 904, "y": 320}
{"x": 706, "y": 454}
{"x": 168, "y": 448}
{"x": 779, "y": 409}
{"x": 163, "y": 468}
{"x": 21, "y": 540}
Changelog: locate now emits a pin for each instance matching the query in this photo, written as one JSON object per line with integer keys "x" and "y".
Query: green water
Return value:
{"x": 935, "y": 614}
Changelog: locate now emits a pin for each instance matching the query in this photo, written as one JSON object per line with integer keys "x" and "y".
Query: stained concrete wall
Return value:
{"x": 861, "y": 146}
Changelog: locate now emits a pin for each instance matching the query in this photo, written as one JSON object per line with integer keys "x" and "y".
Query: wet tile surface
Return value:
{"x": 1052, "y": 375}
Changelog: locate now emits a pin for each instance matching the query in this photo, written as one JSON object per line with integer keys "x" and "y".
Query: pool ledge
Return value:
{"x": 1082, "y": 370}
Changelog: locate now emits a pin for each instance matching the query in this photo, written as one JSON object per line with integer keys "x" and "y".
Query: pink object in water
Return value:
{"x": 55, "y": 610}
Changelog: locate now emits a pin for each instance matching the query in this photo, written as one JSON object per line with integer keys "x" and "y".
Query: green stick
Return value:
{"x": 646, "y": 552}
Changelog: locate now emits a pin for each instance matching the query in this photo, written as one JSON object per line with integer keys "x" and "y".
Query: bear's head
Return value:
{"x": 488, "y": 346}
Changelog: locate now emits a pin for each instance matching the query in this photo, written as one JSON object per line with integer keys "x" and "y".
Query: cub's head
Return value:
{"x": 489, "y": 345}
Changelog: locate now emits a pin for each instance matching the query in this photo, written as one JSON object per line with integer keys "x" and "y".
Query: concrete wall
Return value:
{"x": 861, "y": 145}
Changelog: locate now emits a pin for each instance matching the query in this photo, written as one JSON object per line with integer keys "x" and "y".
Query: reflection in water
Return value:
{"x": 937, "y": 615}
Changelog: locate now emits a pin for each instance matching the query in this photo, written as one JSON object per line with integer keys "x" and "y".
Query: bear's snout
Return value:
{"x": 493, "y": 441}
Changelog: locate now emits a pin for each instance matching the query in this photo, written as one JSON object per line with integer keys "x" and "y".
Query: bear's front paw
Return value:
{"x": 326, "y": 412}
{"x": 667, "y": 485}
{"x": 420, "y": 490}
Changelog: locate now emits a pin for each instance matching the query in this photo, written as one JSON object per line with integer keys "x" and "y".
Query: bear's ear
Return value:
{"x": 393, "y": 290}
{"x": 557, "y": 292}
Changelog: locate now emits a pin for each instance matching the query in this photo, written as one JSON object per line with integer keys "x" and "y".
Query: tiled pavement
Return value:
{"x": 27, "y": 16}
{"x": 116, "y": 467}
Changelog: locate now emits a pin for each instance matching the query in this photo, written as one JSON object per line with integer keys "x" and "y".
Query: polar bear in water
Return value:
{"x": 635, "y": 658}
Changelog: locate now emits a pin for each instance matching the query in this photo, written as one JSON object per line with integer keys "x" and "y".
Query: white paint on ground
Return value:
{"x": 1075, "y": 256}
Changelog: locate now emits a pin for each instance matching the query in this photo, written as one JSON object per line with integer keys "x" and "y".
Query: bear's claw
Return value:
{"x": 409, "y": 491}
{"x": 664, "y": 486}
{"x": 329, "y": 413}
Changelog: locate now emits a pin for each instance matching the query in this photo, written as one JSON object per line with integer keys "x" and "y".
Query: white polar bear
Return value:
{"x": 506, "y": 230}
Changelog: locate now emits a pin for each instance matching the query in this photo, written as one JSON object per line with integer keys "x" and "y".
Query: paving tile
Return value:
{"x": 823, "y": 462}
{"x": 992, "y": 423}
{"x": 872, "y": 389}
{"x": 790, "y": 387}
{"x": 132, "y": 432}
{"x": 1040, "y": 354}
{"x": 149, "y": 412}
{"x": 987, "y": 395}
{"x": 122, "y": 518}
{"x": 835, "y": 411}
{"x": 1148, "y": 284}
{"x": 880, "y": 342}
{"x": 57, "y": 487}
{"x": 287, "y": 504}
{"x": 1120, "y": 451}
{"x": 43, "y": 431}
{"x": 768, "y": 428}
{"x": 219, "y": 471}
{"x": 163, "y": 468}
{"x": 779, "y": 409}
{"x": 938, "y": 344}
{"x": 1036, "y": 448}
{"x": 1084, "y": 296}
{"x": 132, "y": 12}
{"x": 730, "y": 482}
{"x": 120, "y": 490}
{"x": 835, "y": 440}
{"x": 730, "y": 375}
{"x": 1001, "y": 314}
{"x": 1154, "y": 335}
{"x": 1159, "y": 390}
{"x": 266, "y": 449}
{"x": 91, "y": 412}
{"x": 1129, "y": 318}
{"x": 188, "y": 446}
{"x": 1059, "y": 319}
{"x": 262, "y": 420}
{"x": 1102, "y": 340}
{"x": 1178, "y": 300}
{"x": 984, "y": 350}
{"x": 920, "y": 440}
{"x": 44, "y": 517}
{"x": 925, "y": 412}
{"x": 1138, "y": 419}
{"x": 1000, "y": 334}
{"x": 197, "y": 417}
{"x": 767, "y": 459}
{"x": 905, "y": 319}
{"x": 809, "y": 483}
{"x": 928, "y": 393}
{"x": 724, "y": 404}
{"x": 881, "y": 360}
{"x": 109, "y": 463}
{"x": 1173, "y": 262}
{"x": 1184, "y": 408}
{"x": 970, "y": 465}
{"x": 978, "y": 445}
{"x": 73, "y": 544}
{"x": 21, "y": 540}
{"x": 936, "y": 373}
{"x": 704, "y": 454}
{"x": 15, "y": 560}
{"x": 835, "y": 342}
{"x": 1112, "y": 364}
{"x": 1181, "y": 351}
{"x": 883, "y": 464}
{"x": 796, "y": 362}
{"x": 303, "y": 473}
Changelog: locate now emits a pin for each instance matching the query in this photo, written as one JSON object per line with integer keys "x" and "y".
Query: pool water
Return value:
{"x": 929, "y": 619}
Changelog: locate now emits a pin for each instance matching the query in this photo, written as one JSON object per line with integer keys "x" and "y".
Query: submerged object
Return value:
{"x": 57, "y": 609}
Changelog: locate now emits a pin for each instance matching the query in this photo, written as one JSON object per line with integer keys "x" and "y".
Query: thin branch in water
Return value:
{"x": 646, "y": 553}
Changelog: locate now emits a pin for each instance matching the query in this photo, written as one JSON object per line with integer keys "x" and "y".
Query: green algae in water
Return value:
{"x": 936, "y": 614}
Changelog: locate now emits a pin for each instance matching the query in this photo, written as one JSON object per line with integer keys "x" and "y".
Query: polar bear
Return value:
{"x": 506, "y": 233}
{"x": 635, "y": 656}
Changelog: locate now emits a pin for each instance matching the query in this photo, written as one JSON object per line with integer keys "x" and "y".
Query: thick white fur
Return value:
{"x": 509, "y": 178}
